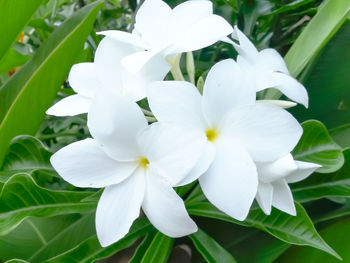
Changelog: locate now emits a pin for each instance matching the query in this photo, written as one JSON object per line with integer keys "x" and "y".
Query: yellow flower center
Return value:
{"x": 212, "y": 134}
{"x": 143, "y": 162}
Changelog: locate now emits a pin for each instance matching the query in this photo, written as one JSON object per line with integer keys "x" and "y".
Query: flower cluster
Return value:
{"x": 237, "y": 147}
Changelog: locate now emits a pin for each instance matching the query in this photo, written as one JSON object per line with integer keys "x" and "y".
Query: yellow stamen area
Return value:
{"x": 212, "y": 134}
{"x": 143, "y": 162}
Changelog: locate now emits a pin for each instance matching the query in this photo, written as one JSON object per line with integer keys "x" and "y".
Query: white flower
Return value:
{"x": 137, "y": 163}
{"x": 89, "y": 79}
{"x": 267, "y": 68}
{"x": 161, "y": 30}
{"x": 273, "y": 189}
{"x": 234, "y": 129}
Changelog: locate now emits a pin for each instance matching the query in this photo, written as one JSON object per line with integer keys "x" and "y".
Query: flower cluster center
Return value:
{"x": 211, "y": 134}
{"x": 143, "y": 162}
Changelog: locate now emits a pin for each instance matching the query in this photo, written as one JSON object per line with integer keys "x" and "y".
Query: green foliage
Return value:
{"x": 159, "y": 249}
{"x": 317, "y": 146}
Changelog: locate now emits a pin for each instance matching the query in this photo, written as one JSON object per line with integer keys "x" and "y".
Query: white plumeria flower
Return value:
{"x": 136, "y": 163}
{"x": 267, "y": 68}
{"x": 161, "y": 30}
{"x": 107, "y": 73}
{"x": 273, "y": 189}
{"x": 234, "y": 129}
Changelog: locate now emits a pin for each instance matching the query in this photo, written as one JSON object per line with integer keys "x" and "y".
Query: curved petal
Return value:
{"x": 283, "y": 198}
{"x": 267, "y": 131}
{"x": 202, "y": 34}
{"x": 225, "y": 88}
{"x": 245, "y": 47}
{"x": 151, "y": 22}
{"x": 70, "y": 106}
{"x": 270, "y": 60}
{"x": 231, "y": 181}
{"x": 118, "y": 207}
{"x": 165, "y": 209}
{"x": 203, "y": 163}
{"x": 290, "y": 87}
{"x": 264, "y": 197}
{"x": 84, "y": 80}
{"x": 136, "y": 61}
{"x": 132, "y": 39}
{"x": 172, "y": 149}
{"x": 303, "y": 171}
{"x": 114, "y": 121}
{"x": 85, "y": 164}
{"x": 275, "y": 170}
{"x": 164, "y": 98}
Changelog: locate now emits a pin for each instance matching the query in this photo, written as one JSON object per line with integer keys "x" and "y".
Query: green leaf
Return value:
{"x": 41, "y": 77}
{"x": 336, "y": 234}
{"x": 14, "y": 15}
{"x": 325, "y": 185}
{"x": 12, "y": 59}
{"x": 341, "y": 135}
{"x": 320, "y": 29}
{"x": 15, "y": 260}
{"x": 211, "y": 251}
{"x": 141, "y": 249}
{"x": 21, "y": 197}
{"x": 298, "y": 230}
{"x": 316, "y": 146}
{"x": 159, "y": 250}
{"x": 43, "y": 238}
{"x": 90, "y": 250}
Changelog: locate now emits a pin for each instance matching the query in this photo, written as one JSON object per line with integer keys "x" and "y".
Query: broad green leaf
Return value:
{"x": 90, "y": 250}
{"x": 21, "y": 197}
{"x": 316, "y": 146}
{"x": 15, "y": 260}
{"x": 159, "y": 250}
{"x": 320, "y": 29}
{"x": 12, "y": 59}
{"x": 341, "y": 135}
{"x": 35, "y": 85}
{"x": 141, "y": 249}
{"x": 43, "y": 238}
{"x": 297, "y": 230}
{"x": 325, "y": 185}
{"x": 14, "y": 15}
{"x": 336, "y": 234}
{"x": 211, "y": 251}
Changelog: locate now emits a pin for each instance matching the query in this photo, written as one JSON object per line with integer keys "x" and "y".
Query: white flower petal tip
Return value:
{"x": 280, "y": 103}
{"x": 245, "y": 47}
{"x": 264, "y": 197}
{"x": 304, "y": 170}
{"x": 70, "y": 106}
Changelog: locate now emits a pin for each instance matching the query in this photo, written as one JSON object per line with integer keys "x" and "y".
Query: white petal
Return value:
{"x": 304, "y": 170}
{"x": 172, "y": 149}
{"x": 245, "y": 48}
{"x": 275, "y": 170}
{"x": 225, "y": 88}
{"x": 283, "y": 198}
{"x": 270, "y": 60}
{"x": 164, "y": 99}
{"x": 84, "y": 80}
{"x": 165, "y": 209}
{"x": 290, "y": 87}
{"x": 70, "y": 106}
{"x": 132, "y": 39}
{"x": 267, "y": 131}
{"x": 202, "y": 34}
{"x": 136, "y": 61}
{"x": 85, "y": 164}
{"x": 114, "y": 121}
{"x": 118, "y": 207}
{"x": 231, "y": 181}
{"x": 264, "y": 197}
{"x": 203, "y": 163}
{"x": 152, "y": 20}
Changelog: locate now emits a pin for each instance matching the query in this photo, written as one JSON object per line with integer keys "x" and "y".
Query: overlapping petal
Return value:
{"x": 70, "y": 106}
{"x": 283, "y": 198}
{"x": 165, "y": 209}
{"x": 264, "y": 197}
{"x": 303, "y": 171}
{"x": 118, "y": 207}
{"x": 84, "y": 80}
{"x": 85, "y": 164}
{"x": 245, "y": 47}
{"x": 114, "y": 121}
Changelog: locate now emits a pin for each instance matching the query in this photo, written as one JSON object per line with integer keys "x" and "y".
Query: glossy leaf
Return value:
{"x": 21, "y": 197}
{"x": 142, "y": 248}
{"x": 210, "y": 250}
{"x": 41, "y": 77}
{"x": 14, "y": 15}
{"x": 12, "y": 59}
{"x": 159, "y": 250}
{"x": 341, "y": 135}
{"x": 316, "y": 146}
{"x": 90, "y": 250}
{"x": 298, "y": 230}
{"x": 325, "y": 185}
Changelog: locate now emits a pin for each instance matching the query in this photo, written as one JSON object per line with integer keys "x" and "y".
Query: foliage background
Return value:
{"x": 44, "y": 219}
